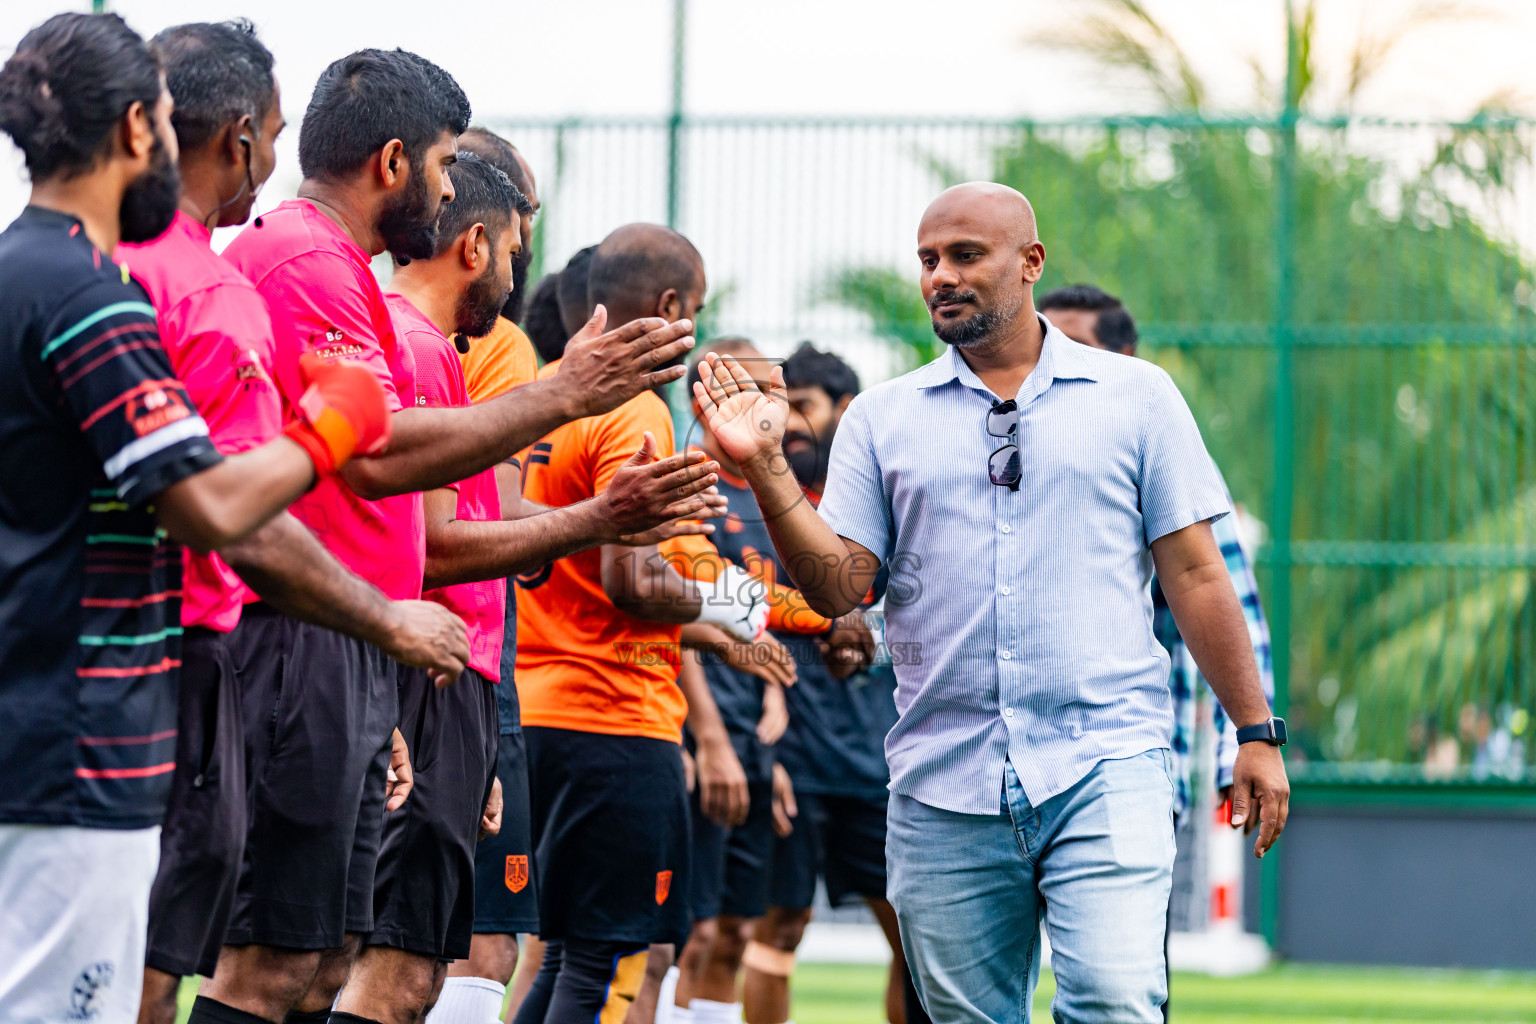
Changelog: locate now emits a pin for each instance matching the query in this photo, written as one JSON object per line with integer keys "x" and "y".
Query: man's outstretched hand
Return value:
{"x": 601, "y": 371}
{"x": 646, "y": 493}
{"x": 1261, "y": 794}
{"x": 748, "y": 423}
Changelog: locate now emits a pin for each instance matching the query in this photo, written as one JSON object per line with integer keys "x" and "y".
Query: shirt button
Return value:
{"x": 1007, "y": 655}
{"x": 1006, "y": 528}
{"x": 1007, "y": 591}
{"x": 1007, "y": 712}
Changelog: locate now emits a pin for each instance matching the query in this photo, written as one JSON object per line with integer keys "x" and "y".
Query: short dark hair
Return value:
{"x": 369, "y": 97}
{"x": 543, "y": 323}
{"x": 638, "y": 262}
{"x": 1114, "y": 327}
{"x": 728, "y": 345}
{"x": 70, "y": 81}
{"x": 575, "y": 307}
{"x": 809, "y": 367}
{"x": 217, "y": 73}
{"x": 499, "y": 153}
{"x": 482, "y": 195}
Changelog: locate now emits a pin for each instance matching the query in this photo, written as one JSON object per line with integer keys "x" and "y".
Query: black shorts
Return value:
{"x": 610, "y": 835}
{"x": 841, "y": 839}
{"x": 319, "y": 712}
{"x": 203, "y": 837}
{"x": 506, "y": 884}
{"x": 424, "y": 896}
{"x": 730, "y": 867}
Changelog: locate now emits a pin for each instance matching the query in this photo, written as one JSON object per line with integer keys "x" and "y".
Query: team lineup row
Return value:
{"x": 261, "y": 519}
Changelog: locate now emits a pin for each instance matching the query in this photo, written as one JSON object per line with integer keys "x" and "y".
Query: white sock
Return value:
{"x": 707, "y": 1011}
{"x": 468, "y": 1001}
{"x": 678, "y": 1014}
{"x": 665, "y": 1011}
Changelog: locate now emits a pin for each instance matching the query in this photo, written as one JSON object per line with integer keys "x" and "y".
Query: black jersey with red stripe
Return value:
{"x": 93, "y": 425}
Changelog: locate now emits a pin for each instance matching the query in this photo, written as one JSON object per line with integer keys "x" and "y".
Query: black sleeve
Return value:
{"x": 117, "y": 384}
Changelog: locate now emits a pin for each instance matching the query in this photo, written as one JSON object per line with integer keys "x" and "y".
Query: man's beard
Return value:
{"x": 408, "y": 222}
{"x": 149, "y": 201}
{"x": 810, "y": 464}
{"x": 480, "y": 305}
{"x": 976, "y": 328}
{"x": 518, "y": 300}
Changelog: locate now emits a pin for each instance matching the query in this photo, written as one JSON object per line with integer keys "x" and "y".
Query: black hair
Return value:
{"x": 482, "y": 195}
{"x": 808, "y": 367}
{"x": 728, "y": 345}
{"x": 575, "y": 307}
{"x": 369, "y": 97}
{"x": 499, "y": 153}
{"x": 70, "y": 81}
{"x": 636, "y": 263}
{"x": 543, "y": 323}
{"x": 1114, "y": 327}
{"x": 217, "y": 73}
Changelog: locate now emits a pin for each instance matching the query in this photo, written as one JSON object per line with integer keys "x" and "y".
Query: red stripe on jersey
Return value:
{"x": 124, "y": 741}
{"x": 100, "y": 339}
{"x": 143, "y": 387}
{"x": 105, "y": 357}
{"x": 163, "y": 665}
{"x": 125, "y": 773}
{"x": 128, "y": 602}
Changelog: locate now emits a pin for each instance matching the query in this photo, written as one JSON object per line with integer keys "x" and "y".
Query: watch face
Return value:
{"x": 1278, "y": 725}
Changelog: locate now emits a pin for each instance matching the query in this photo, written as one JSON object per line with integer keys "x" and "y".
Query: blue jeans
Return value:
{"x": 1095, "y": 863}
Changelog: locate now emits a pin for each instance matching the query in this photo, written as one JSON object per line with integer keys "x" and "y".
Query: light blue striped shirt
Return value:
{"x": 1022, "y": 620}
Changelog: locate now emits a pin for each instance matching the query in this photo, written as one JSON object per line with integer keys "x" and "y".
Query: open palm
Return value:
{"x": 748, "y": 423}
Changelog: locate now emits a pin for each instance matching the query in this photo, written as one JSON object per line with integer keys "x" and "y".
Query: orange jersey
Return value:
{"x": 499, "y": 362}
{"x": 583, "y": 664}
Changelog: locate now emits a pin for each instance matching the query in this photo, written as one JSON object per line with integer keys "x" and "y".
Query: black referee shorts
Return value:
{"x": 610, "y": 833}
{"x": 203, "y": 838}
{"x": 320, "y": 709}
{"x": 424, "y": 897}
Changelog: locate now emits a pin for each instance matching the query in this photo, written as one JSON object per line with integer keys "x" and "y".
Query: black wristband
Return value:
{"x": 1271, "y": 731}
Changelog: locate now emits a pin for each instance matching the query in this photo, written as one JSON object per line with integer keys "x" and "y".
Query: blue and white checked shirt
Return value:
{"x": 1024, "y": 617}
{"x": 1184, "y": 680}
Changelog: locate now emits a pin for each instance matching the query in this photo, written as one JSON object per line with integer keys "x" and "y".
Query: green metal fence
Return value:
{"x": 1350, "y": 308}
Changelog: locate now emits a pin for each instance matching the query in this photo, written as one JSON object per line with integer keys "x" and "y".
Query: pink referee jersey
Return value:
{"x": 440, "y": 382}
{"x": 324, "y": 299}
{"x": 217, "y": 332}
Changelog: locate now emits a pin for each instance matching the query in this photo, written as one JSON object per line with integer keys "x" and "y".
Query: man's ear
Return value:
{"x": 669, "y": 305}
{"x": 475, "y": 248}
{"x": 392, "y": 164}
{"x": 137, "y": 132}
{"x": 1034, "y": 262}
{"x": 231, "y": 145}
{"x": 840, "y": 406}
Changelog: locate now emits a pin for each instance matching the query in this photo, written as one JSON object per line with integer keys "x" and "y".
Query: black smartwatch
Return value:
{"x": 1271, "y": 731}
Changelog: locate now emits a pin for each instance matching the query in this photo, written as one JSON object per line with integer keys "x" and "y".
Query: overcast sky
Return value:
{"x": 964, "y": 57}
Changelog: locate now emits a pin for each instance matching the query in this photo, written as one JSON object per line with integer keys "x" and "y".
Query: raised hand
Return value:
{"x": 646, "y": 493}
{"x": 748, "y": 423}
{"x": 601, "y": 371}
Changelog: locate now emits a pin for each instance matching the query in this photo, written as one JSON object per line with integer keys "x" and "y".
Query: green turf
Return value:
{"x": 1292, "y": 994}
{"x": 826, "y": 994}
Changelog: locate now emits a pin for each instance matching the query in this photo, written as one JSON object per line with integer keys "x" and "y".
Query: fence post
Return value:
{"x": 675, "y": 120}
{"x": 1285, "y": 440}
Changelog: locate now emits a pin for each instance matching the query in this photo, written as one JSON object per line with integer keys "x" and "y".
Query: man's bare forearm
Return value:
{"x": 294, "y": 573}
{"x": 434, "y": 447}
{"x": 1210, "y": 619}
{"x": 465, "y": 551}
{"x": 640, "y": 582}
{"x": 831, "y": 577}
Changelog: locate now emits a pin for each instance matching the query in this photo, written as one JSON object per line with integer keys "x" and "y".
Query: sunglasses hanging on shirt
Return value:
{"x": 1003, "y": 464}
